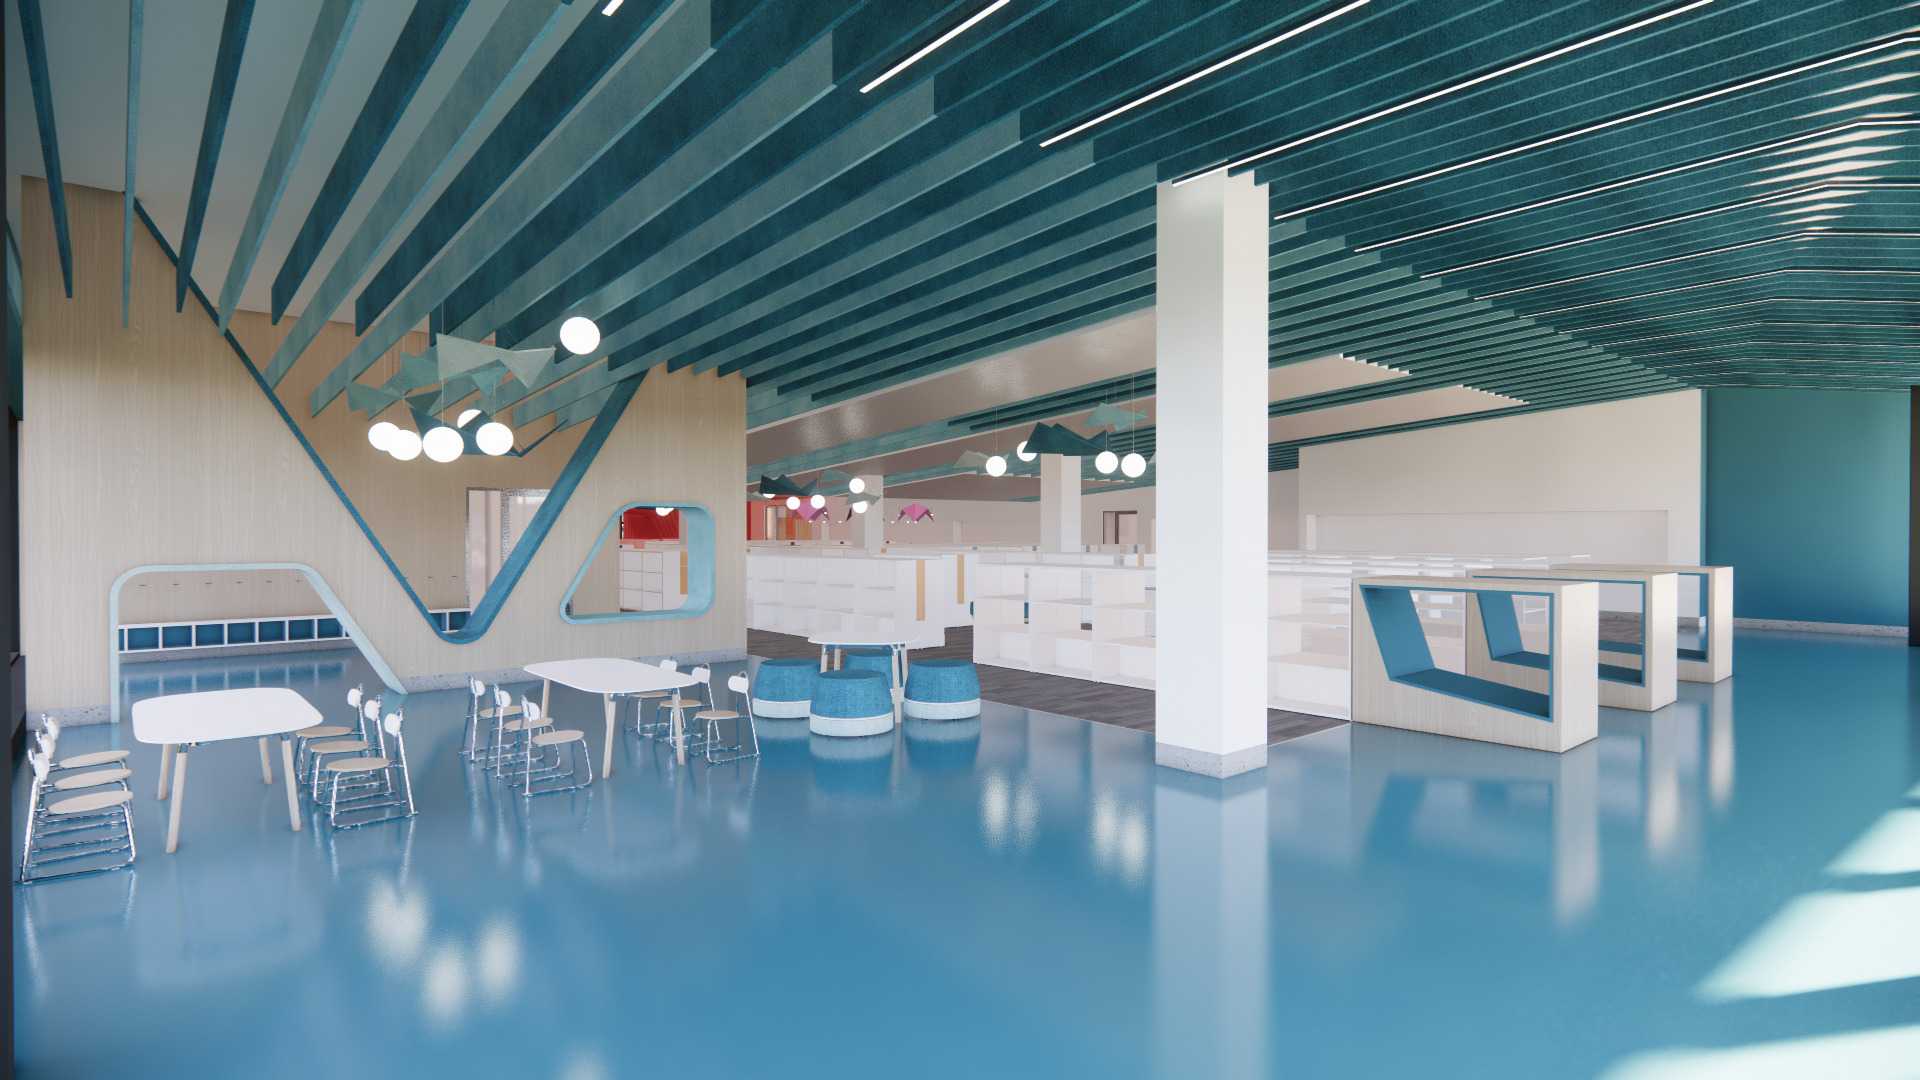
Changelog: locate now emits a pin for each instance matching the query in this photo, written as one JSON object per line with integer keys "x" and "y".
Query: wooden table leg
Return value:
{"x": 293, "y": 798}
{"x": 606, "y": 757}
{"x": 266, "y": 763}
{"x": 179, "y": 795}
{"x": 823, "y": 659}
{"x": 166, "y": 759}
{"x": 679, "y": 732}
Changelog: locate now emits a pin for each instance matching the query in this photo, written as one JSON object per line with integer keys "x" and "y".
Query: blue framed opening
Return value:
{"x": 696, "y": 534}
{"x": 1409, "y": 660}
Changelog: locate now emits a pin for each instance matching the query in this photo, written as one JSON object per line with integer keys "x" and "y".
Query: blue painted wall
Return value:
{"x": 1807, "y": 499}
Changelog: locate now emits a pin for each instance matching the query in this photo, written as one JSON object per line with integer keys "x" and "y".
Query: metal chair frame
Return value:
{"x": 117, "y": 821}
{"x": 391, "y": 794}
{"x": 739, "y": 686}
{"x": 529, "y": 779}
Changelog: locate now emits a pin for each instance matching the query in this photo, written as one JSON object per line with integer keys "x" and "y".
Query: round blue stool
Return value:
{"x": 880, "y": 660}
{"x": 783, "y": 689}
{"x": 943, "y": 690}
{"x": 851, "y": 703}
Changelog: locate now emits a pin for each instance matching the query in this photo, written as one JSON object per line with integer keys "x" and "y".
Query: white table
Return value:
{"x": 180, "y": 722}
{"x": 608, "y": 677}
{"x": 833, "y": 648}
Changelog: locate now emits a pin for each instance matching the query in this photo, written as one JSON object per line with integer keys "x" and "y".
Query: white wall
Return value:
{"x": 1619, "y": 481}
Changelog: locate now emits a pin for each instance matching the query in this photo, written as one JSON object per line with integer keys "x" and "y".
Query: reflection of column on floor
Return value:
{"x": 1210, "y": 953}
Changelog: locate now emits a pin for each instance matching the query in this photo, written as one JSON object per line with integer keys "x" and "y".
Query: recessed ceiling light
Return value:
{"x": 921, "y": 53}
{"x": 1467, "y": 84}
{"x": 1188, "y": 80}
{"x": 612, "y": 6}
{"x": 1584, "y": 131}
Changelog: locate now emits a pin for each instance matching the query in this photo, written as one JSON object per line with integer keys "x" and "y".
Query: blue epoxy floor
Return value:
{"x": 1031, "y": 897}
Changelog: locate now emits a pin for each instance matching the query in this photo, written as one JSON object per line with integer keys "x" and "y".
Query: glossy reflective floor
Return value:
{"x": 1729, "y": 887}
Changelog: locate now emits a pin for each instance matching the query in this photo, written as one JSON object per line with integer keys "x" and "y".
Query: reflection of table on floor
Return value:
{"x": 833, "y": 648}
{"x": 180, "y": 722}
{"x": 607, "y": 677}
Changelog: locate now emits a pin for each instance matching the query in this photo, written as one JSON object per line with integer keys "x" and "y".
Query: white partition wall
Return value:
{"x": 1211, "y": 364}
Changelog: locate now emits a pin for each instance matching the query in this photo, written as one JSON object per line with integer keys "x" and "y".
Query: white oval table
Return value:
{"x": 609, "y": 677}
{"x": 180, "y": 722}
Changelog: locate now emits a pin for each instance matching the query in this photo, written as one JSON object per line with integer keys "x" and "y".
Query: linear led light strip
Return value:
{"x": 1816, "y": 232}
{"x": 1206, "y": 71}
{"x": 1623, "y": 231}
{"x": 1689, "y": 312}
{"x": 921, "y": 53}
{"x": 1659, "y": 174}
{"x": 1591, "y": 128}
{"x": 1448, "y": 91}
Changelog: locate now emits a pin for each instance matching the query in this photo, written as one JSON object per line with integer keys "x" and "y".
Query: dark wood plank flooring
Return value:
{"x": 1104, "y": 703}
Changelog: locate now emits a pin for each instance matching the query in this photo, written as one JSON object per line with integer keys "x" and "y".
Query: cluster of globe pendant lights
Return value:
{"x": 855, "y": 486}
{"x": 1132, "y": 466}
{"x": 445, "y": 444}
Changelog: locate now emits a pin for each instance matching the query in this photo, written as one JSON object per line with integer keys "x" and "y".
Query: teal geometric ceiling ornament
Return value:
{"x": 458, "y": 355}
{"x": 784, "y": 485}
{"x": 1115, "y": 417}
{"x": 371, "y": 400}
{"x": 972, "y": 460}
{"x": 525, "y": 364}
{"x": 416, "y": 372}
{"x": 1056, "y": 439}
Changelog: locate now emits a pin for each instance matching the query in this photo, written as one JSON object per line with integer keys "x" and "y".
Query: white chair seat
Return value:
{"x": 324, "y": 731}
{"x": 90, "y": 779}
{"x": 102, "y": 757}
{"x": 717, "y": 714}
{"x": 339, "y": 746}
{"x": 558, "y": 738}
{"x": 357, "y": 765}
{"x": 489, "y": 714}
{"x": 86, "y": 804}
{"x": 522, "y": 725}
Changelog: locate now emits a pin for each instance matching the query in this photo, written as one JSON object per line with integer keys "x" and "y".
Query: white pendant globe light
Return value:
{"x": 663, "y": 511}
{"x": 856, "y": 485}
{"x": 404, "y": 445}
{"x": 1023, "y": 453}
{"x": 580, "y": 335}
{"x": 996, "y": 466}
{"x": 466, "y": 417}
{"x": 494, "y": 438}
{"x": 1133, "y": 465}
{"x": 860, "y": 507}
{"x": 1106, "y": 463}
{"x": 793, "y": 502}
{"x": 817, "y": 501}
{"x": 442, "y": 444}
{"x": 381, "y": 434}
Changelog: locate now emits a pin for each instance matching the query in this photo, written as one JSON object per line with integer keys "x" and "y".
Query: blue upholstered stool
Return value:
{"x": 943, "y": 690}
{"x": 783, "y": 689}
{"x": 880, "y": 660}
{"x": 851, "y": 703}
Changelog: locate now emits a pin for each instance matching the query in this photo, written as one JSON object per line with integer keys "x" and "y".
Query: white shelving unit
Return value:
{"x": 807, "y": 592}
{"x": 1064, "y": 618}
{"x": 653, "y": 576}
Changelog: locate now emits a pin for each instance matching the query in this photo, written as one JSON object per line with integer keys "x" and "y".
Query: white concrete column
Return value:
{"x": 1211, "y": 362}
{"x": 870, "y": 528}
{"x": 1059, "y": 503}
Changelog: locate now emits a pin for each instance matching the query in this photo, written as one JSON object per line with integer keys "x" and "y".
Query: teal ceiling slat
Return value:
{"x": 213, "y": 132}
{"x": 34, "y": 44}
{"x": 772, "y": 68}
{"x": 324, "y": 48}
{"x": 136, "y": 16}
{"x": 487, "y": 75}
{"x": 421, "y": 38}
{"x": 671, "y": 49}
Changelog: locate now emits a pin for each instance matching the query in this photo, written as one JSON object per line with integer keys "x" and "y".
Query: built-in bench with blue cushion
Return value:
{"x": 1397, "y": 683}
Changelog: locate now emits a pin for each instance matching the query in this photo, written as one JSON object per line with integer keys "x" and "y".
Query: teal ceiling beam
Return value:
{"x": 750, "y": 346}
{"x": 33, "y": 36}
{"x": 627, "y": 189}
{"x": 594, "y": 45}
{"x": 213, "y": 132}
{"x": 502, "y": 54}
{"x": 136, "y": 14}
{"x": 325, "y": 45}
{"x": 670, "y": 50}
{"x": 421, "y": 38}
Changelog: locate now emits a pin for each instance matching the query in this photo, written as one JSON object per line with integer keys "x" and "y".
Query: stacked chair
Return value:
{"x": 79, "y": 812}
{"x": 370, "y": 787}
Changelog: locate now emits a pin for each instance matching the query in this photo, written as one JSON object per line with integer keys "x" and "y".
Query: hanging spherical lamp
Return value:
{"x": 404, "y": 445}
{"x": 466, "y": 417}
{"x": 663, "y": 511}
{"x": 856, "y": 485}
{"x": 442, "y": 444}
{"x": 494, "y": 438}
{"x": 860, "y": 507}
{"x": 1133, "y": 465}
{"x": 793, "y": 502}
{"x": 817, "y": 501}
{"x": 996, "y": 466}
{"x": 381, "y": 434}
{"x": 580, "y": 335}
{"x": 1106, "y": 463}
{"x": 1023, "y": 453}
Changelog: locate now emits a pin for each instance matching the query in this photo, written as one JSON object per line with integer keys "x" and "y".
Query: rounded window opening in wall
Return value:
{"x": 653, "y": 560}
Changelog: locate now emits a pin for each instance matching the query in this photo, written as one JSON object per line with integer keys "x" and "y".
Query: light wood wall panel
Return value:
{"x": 151, "y": 444}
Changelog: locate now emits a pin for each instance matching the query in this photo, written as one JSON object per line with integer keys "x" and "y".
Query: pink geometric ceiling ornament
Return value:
{"x": 914, "y": 512}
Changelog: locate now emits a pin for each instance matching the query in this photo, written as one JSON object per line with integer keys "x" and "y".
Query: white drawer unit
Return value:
{"x": 653, "y": 576}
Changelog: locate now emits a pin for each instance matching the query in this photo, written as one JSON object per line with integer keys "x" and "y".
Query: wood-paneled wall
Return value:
{"x": 159, "y": 425}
